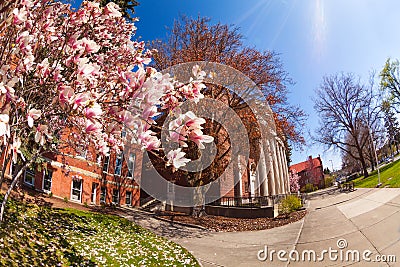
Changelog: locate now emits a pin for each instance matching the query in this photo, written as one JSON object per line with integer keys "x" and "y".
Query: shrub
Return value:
{"x": 65, "y": 199}
{"x": 85, "y": 204}
{"x": 289, "y": 204}
{"x": 308, "y": 188}
{"x": 328, "y": 181}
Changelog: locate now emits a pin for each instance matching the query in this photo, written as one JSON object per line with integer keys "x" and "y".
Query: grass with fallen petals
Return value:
{"x": 32, "y": 235}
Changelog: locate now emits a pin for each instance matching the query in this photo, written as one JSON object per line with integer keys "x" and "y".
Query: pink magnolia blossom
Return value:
{"x": 149, "y": 141}
{"x": 89, "y": 46}
{"x": 42, "y": 68}
{"x": 188, "y": 127}
{"x": 177, "y": 158}
{"x": 178, "y": 131}
{"x": 3, "y": 89}
{"x": 80, "y": 100}
{"x": 20, "y": 15}
{"x": 93, "y": 112}
{"x": 4, "y": 127}
{"x": 15, "y": 146}
{"x": 33, "y": 114}
{"x": 103, "y": 147}
{"x": 92, "y": 127}
{"x": 294, "y": 181}
{"x": 66, "y": 94}
{"x": 149, "y": 113}
{"x": 86, "y": 71}
{"x": 193, "y": 122}
{"x": 41, "y": 134}
{"x": 199, "y": 138}
{"x": 82, "y": 71}
{"x": 112, "y": 10}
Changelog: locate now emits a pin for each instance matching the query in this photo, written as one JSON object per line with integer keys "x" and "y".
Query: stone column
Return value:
{"x": 279, "y": 165}
{"x": 283, "y": 165}
{"x": 286, "y": 170}
{"x": 271, "y": 174}
{"x": 240, "y": 175}
{"x": 262, "y": 172}
{"x": 280, "y": 169}
{"x": 236, "y": 178}
{"x": 276, "y": 166}
{"x": 252, "y": 177}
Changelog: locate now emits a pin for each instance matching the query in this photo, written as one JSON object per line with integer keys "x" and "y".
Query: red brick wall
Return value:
{"x": 64, "y": 167}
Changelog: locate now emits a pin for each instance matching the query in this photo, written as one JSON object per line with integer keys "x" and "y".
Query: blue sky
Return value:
{"x": 314, "y": 38}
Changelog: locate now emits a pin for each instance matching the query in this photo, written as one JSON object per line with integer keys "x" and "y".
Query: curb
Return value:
{"x": 136, "y": 210}
{"x": 153, "y": 215}
{"x": 181, "y": 223}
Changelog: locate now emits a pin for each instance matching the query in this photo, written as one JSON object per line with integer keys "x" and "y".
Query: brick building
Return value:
{"x": 79, "y": 178}
{"x": 310, "y": 171}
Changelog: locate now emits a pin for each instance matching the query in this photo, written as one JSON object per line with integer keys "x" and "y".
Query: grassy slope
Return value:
{"x": 38, "y": 236}
{"x": 390, "y": 176}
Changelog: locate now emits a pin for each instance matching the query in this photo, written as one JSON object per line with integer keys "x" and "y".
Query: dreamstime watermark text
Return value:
{"x": 337, "y": 254}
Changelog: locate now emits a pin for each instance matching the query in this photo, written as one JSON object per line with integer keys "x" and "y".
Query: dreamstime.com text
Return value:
{"x": 339, "y": 254}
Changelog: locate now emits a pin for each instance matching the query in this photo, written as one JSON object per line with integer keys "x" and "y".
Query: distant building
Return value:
{"x": 310, "y": 171}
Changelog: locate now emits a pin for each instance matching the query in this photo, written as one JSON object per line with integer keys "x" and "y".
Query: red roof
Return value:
{"x": 299, "y": 167}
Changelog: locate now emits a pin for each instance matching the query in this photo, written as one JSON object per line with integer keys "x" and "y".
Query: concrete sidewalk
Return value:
{"x": 366, "y": 219}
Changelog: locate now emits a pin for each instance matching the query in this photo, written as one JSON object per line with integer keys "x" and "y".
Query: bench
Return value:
{"x": 349, "y": 186}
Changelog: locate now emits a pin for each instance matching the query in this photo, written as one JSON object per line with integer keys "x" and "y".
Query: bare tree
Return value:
{"x": 346, "y": 109}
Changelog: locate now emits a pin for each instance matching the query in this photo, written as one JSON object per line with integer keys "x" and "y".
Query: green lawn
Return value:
{"x": 390, "y": 177}
{"x": 39, "y": 236}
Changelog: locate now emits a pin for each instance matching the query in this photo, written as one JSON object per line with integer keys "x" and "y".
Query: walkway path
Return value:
{"x": 366, "y": 219}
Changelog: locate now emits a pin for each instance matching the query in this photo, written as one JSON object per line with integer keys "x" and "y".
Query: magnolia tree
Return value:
{"x": 294, "y": 182}
{"x": 79, "y": 72}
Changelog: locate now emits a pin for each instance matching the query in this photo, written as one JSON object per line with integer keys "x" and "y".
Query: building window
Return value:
{"x": 76, "y": 192}
{"x": 131, "y": 165}
{"x": 47, "y": 177}
{"x": 93, "y": 196}
{"x": 103, "y": 195}
{"x": 128, "y": 198}
{"x": 115, "y": 196}
{"x": 29, "y": 177}
{"x": 106, "y": 163}
{"x": 118, "y": 165}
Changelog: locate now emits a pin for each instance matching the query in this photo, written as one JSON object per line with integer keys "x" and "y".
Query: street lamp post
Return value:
{"x": 376, "y": 156}
{"x": 333, "y": 176}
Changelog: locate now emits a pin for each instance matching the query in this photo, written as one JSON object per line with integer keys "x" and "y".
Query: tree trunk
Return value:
{"x": 363, "y": 163}
{"x": 13, "y": 183}
{"x": 200, "y": 197}
{"x": 362, "y": 158}
{"x": 3, "y": 170}
{"x": 391, "y": 149}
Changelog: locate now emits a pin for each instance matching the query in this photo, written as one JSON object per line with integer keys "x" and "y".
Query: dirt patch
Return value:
{"x": 28, "y": 195}
{"x": 225, "y": 224}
